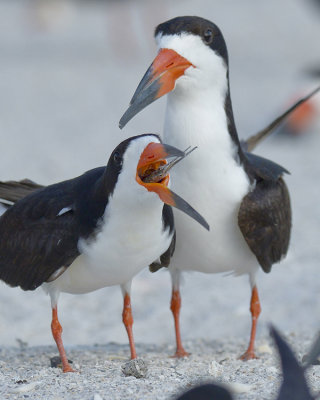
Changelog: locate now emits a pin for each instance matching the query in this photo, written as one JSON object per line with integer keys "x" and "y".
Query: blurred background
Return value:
{"x": 67, "y": 72}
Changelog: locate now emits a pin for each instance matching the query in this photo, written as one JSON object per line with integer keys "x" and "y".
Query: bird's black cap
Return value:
{"x": 207, "y": 30}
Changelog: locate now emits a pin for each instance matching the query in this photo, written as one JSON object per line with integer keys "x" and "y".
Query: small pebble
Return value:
{"x": 22, "y": 344}
{"x": 97, "y": 396}
{"x": 21, "y": 381}
{"x": 238, "y": 388}
{"x": 272, "y": 370}
{"x": 55, "y": 362}
{"x": 306, "y": 357}
{"x": 25, "y": 388}
{"x": 215, "y": 368}
{"x": 136, "y": 368}
{"x": 264, "y": 349}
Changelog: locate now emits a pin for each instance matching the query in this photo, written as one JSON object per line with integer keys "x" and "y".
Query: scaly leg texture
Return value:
{"x": 56, "y": 329}
{"x": 175, "y": 308}
{"x": 128, "y": 322}
{"x": 255, "y": 309}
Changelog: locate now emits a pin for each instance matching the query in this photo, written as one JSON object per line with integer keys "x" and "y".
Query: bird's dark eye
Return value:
{"x": 117, "y": 158}
{"x": 208, "y": 35}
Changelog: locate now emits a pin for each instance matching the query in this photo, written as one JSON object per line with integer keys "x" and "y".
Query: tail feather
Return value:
{"x": 12, "y": 191}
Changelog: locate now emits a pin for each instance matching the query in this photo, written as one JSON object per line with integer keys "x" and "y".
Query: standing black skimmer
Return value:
{"x": 243, "y": 196}
{"x": 96, "y": 230}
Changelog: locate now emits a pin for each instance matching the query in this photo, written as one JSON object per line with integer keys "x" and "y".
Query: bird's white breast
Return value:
{"x": 212, "y": 181}
{"x": 126, "y": 244}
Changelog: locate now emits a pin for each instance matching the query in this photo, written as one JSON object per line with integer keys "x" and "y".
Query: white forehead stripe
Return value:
{"x": 132, "y": 156}
{"x": 188, "y": 45}
{"x": 136, "y": 147}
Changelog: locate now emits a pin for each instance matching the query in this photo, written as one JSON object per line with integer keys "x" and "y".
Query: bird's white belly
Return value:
{"x": 218, "y": 185}
{"x": 217, "y": 199}
{"x": 223, "y": 248}
{"x": 120, "y": 252}
{"x": 223, "y": 251}
{"x": 212, "y": 181}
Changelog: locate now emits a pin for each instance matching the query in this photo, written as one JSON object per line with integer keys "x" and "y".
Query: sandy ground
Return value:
{"x": 67, "y": 73}
{"x": 26, "y": 373}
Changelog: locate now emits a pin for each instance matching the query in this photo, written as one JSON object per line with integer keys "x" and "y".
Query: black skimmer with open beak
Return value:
{"x": 96, "y": 230}
{"x": 243, "y": 196}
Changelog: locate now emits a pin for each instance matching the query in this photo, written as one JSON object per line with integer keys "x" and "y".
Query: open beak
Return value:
{"x": 159, "y": 79}
{"x": 152, "y": 173}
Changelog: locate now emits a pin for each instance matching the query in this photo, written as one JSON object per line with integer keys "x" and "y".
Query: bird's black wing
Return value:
{"x": 264, "y": 216}
{"x": 39, "y": 234}
{"x": 165, "y": 258}
{"x": 262, "y": 168}
{"x": 265, "y": 213}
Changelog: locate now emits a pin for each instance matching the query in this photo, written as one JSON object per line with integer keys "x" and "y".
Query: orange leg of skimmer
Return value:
{"x": 175, "y": 308}
{"x": 128, "y": 322}
{"x": 56, "y": 329}
{"x": 255, "y": 309}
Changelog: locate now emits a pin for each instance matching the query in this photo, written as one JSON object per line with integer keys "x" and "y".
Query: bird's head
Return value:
{"x": 140, "y": 166}
{"x": 192, "y": 58}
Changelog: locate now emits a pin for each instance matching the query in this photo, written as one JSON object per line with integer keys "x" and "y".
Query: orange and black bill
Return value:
{"x": 159, "y": 79}
{"x": 154, "y": 159}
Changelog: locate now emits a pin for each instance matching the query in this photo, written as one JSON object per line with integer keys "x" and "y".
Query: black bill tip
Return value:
{"x": 185, "y": 207}
{"x": 145, "y": 94}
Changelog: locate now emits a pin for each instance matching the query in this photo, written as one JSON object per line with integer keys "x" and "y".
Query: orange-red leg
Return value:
{"x": 175, "y": 308}
{"x": 56, "y": 329}
{"x": 255, "y": 309}
{"x": 128, "y": 322}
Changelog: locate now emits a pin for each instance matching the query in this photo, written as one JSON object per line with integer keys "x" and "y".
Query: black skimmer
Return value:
{"x": 96, "y": 230}
{"x": 243, "y": 196}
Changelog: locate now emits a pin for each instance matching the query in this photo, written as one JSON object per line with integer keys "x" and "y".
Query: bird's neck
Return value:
{"x": 202, "y": 118}
{"x": 133, "y": 201}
